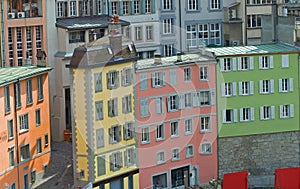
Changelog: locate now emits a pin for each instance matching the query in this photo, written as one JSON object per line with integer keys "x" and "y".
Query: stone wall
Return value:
{"x": 259, "y": 154}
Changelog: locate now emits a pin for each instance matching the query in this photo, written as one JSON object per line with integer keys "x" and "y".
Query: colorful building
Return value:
{"x": 176, "y": 120}
{"x": 104, "y": 141}
{"x": 25, "y": 129}
{"x": 258, "y": 101}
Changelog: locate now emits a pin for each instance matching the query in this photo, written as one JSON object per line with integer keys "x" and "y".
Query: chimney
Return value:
{"x": 179, "y": 57}
{"x": 275, "y": 20}
{"x": 157, "y": 58}
{"x": 115, "y": 35}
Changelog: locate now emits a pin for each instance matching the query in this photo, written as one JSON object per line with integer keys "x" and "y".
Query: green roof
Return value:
{"x": 11, "y": 74}
{"x": 270, "y": 48}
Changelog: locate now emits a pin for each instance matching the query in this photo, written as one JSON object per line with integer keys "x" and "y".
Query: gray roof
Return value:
{"x": 86, "y": 22}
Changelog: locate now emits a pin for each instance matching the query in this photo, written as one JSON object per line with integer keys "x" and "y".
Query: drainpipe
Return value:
{"x": 3, "y": 43}
{"x": 275, "y": 21}
{"x": 180, "y": 26}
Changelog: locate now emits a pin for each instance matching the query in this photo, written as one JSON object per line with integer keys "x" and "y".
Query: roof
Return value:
{"x": 270, "y": 48}
{"x": 86, "y": 22}
{"x": 196, "y": 57}
{"x": 12, "y": 74}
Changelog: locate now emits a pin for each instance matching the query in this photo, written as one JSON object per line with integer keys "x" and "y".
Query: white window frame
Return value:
{"x": 215, "y": 33}
{"x": 11, "y": 152}
{"x": 246, "y": 114}
{"x": 189, "y": 151}
{"x": 173, "y": 103}
{"x": 266, "y": 86}
{"x": 149, "y": 33}
{"x": 203, "y": 33}
{"x": 204, "y": 73}
{"x": 187, "y": 74}
{"x": 267, "y": 112}
{"x": 160, "y": 157}
{"x": 72, "y": 8}
{"x": 205, "y": 124}
{"x": 191, "y": 35}
{"x": 168, "y": 49}
{"x": 167, "y": 26}
{"x": 286, "y": 85}
{"x": 126, "y": 7}
{"x": 246, "y": 88}
{"x": 114, "y": 7}
{"x": 39, "y": 147}
{"x": 160, "y": 132}
{"x": 23, "y": 122}
{"x": 192, "y": 5}
{"x": 166, "y": 4}
{"x": 148, "y": 6}
{"x": 227, "y": 64}
{"x": 175, "y": 154}
{"x": 215, "y": 4}
{"x": 60, "y": 11}
{"x": 10, "y": 129}
{"x": 254, "y": 21}
{"x": 24, "y": 155}
{"x": 137, "y": 7}
{"x": 228, "y": 89}
{"x": 231, "y": 114}
{"x": 127, "y": 104}
{"x": 265, "y": 62}
{"x": 188, "y": 126}
{"x": 286, "y": 111}
{"x": 174, "y": 129}
{"x": 138, "y": 33}
{"x": 145, "y": 135}
{"x": 206, "y": 148}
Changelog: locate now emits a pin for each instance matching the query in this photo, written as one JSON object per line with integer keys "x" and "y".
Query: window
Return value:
{"x": 187, "y": 74}
{"x": 204, "y": 73}
{"x": 40, "y": 88}
{"x": 168, "y": 50}
{"x": 115, "y": 134}
{"x": 228, "y": 64}
{"x": 144, "y": 108}
{"x": 112, "y": 79}
{"x": 148, "y": 7}
{"x": 173, "y": 77}
{"x": 18, "y": 94}
{"x": 25, "y": 152}
{"x": 129, "y": 156}
{"x": 99, "y": 110}
{"x": 136, "y": 7}
{"x": 11, "y": 152}
{"x": 29, "y": 43}
{"x": 159, "y": 109}
{"x": 158, "y": 79}
{"x": 138, "y": 33}
{"x": 188, "y": 100}
{"x": 145, "y": 135}
{"x": 188, "y": 126}
{"x": 285, "y": 61}
{"x": 174, "y": 129}
{"x": 116, "y": 162}
{"x": 149, "y": 33}
{"x": 266, "y": 86}
{"x": 126, "y": 104}
{"x": 99, "y": 7}
{"x": 229, "y": 115}
{"x": 286, "y": 85}
{"x": 205, "y": 124}
{"x": 19, "y": 46}
{"x": 13, "y": 186}
{"x": 246, "y": 87}
{"x": 246, "y": 114}
{"x": 72, "y": 8}
{"x": 100, "y": 138}
{"x": 160, "y": 157}
{"x": 166, "y": 4}
{"x": 192, "y": 5}
{"x": 215, "y": 34}
{"x": 113, "y": 107}
{"x": 175, "y": 154}
{"x": 33, "y": 176}
{"x": 191, "y": 36}
{"x": 76, "y": 37}
{"x": 205, "y": 98}
{"x": 189, "y": 151}
{"x": 10, "y": 129}
{"x": 173, "y": 103}
{"x": 286, "y": 111}
{"x": 29, "y": 91}
{"x": 37, "y": 117}
{"x": 128, "y": 130}
{"x": 267, "y": 112}
{"x": 265, "y": 62}
{"x": 39, "y": 145}
{"x": 206, "y": 148}
{"x": 101, "y": 162}
{"x": 167, "y": 26}
{"x": 7, "y": 99}
{"x": 46, "y": 139}
{"x": 114, "y": 7}
{"x": 23, "y": 122}
{"x": 214, "y": 4}
{"x": 203, "y": 33}
{"x": 38, "y": 37}
{"x": 254, "y": 21}
{"x": 98, "y": 82}
{"x": 245, "y": 63}
{"x": 160, "y": 180}
{"x": 60, "y": 6}
{"x": 229, "y": 89}
{"x": 160, "y": 132}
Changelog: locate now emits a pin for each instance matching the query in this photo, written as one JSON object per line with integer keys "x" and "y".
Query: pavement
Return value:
{"x": 60, "y": 170}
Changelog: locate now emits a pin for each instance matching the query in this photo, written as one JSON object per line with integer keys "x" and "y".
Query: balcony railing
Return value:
{"x": 28, "y": 10}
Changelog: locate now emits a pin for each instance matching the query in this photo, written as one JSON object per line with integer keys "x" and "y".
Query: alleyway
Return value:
{"x": 60, "y": 171}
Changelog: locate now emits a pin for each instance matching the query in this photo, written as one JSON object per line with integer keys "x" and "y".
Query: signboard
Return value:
{"x": 88, "y": 186}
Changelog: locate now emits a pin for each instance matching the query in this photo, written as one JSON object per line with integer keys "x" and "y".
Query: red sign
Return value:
{"x": 237, "y": 180}
{"x": 287, "y": 178}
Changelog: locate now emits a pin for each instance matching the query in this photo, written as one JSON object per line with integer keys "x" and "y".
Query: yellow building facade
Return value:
{"x": 104, "y": 141}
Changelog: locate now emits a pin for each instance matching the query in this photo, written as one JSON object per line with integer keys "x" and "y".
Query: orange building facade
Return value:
{"x": 25, "y": 126}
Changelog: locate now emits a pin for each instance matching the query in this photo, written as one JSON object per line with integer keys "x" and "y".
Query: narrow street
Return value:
{"x": 60, "y": 171}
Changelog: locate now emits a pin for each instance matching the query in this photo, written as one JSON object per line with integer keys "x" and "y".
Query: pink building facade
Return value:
{"x": 176, "y": 121}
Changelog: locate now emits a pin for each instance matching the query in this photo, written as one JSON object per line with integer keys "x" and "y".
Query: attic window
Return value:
{"x": 109, "y": 50}
{"x": 130, "y": 47}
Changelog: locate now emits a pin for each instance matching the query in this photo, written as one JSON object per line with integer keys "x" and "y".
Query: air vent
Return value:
{"x": 21, "y": 14}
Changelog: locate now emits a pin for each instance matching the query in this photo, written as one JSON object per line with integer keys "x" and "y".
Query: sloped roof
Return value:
{"x": 86, "y": 22}
{"x": 12, "y": 74}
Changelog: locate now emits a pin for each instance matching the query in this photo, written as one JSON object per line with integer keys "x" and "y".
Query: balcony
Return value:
{"x": 17, "y": 9}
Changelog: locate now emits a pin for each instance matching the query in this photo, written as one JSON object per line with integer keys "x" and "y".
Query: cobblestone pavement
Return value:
{"x": 60, "y": 171}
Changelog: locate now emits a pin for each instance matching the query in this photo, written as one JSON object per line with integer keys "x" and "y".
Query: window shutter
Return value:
{"x": 271, "y": 62}
{"x": 233, "y": 64}
{"x": 169, "y": 103}
{"x": 181, "y": 101}
{"x": 221, "y": 64}
{"x": 131, "y": 80}
{"x": 125, "y": 131}
{"x": 108, "y": 80}
{"x": 110, "y": 135}
{"x": 111, "y": 163}
{"x": 119, "y": 134}
{"x": 260, "y": 62}
{"x": 240, "y": 88}
{"x": 261, "y": 113}
{"x": 251, "y": 58}
{"x": 153, "y": 6}
{"x": 132, "y": 7}
{"x": 123, "y": 73}
{"x": 272, "y": 85}
{"x": 291, "y": 84}
{"x": 260, "y": 86}
{"x": 291, "y": 110}
{"x": 272, "y": 112}
{"x": 157, "y": 106}
{"x": 252, "y": 114}
{"x": 98, "y": 138}
{"x": 224, "y": 116}
{"x": 116, "y": 106}
{"x": 235, "y": 118}
{"x": 241, "y": 114}
{"x": 164, "y": 78}
{"x": 251, "y": 87}
{"x": 173, "y": 77}
{"x": 239, "y": 63}
{"x": 101, "y": 137}
{"x": 143, "y": 81}
{"x": 195, "y": 99}
{"x": 234, "y": 88}
{"x": 280, "y": 85}
{"x": 223, "y": 89}
{"x": 153, "y": 79}
{"x": 281, "y": 111}
{"x": 212, "y": 97}
{"x": 117, "y": 79}
{"x": 120, "y": 162}
{"x": 285, "y": 61}
{"x": 109, "y": 105}
{"x": 126, "y": 158}
{"x": 123, "y": 104}
{"x": 130, "y": 103}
